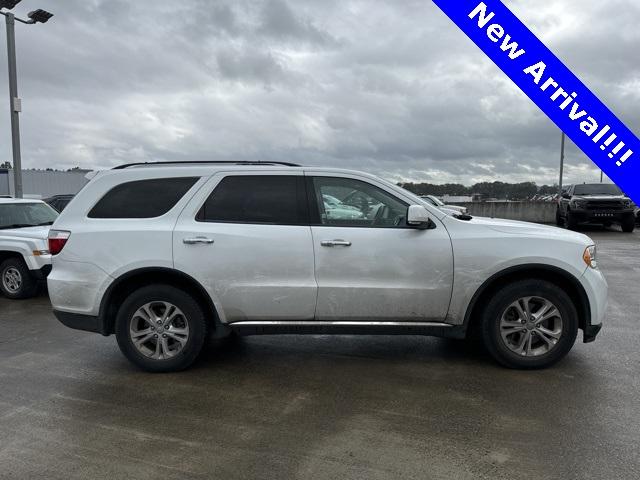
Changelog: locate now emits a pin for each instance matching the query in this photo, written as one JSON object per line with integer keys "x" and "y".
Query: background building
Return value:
{"x": 44, "y": 183}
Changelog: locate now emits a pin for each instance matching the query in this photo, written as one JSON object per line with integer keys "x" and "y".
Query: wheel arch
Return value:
{"x": 130, "y": 281}
{"x": 6, "y": 254}
{"x": 561, "y": 278}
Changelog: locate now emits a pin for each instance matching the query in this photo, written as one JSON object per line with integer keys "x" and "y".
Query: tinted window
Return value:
{"x": 270, "y": 199}
{"x": 143, "y": 198}
{"x": 597, "y": 189}
{"x": 353, "y": 203}
{"x": 62, "y": 204}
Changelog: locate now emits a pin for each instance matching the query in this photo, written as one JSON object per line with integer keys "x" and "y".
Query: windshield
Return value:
{"x": 597, "y": 189}
{"x": 19, "y": 215}
{"x": 436, "y": 201}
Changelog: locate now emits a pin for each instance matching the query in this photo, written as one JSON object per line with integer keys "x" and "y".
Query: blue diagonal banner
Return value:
{"x": 552, "y": 87}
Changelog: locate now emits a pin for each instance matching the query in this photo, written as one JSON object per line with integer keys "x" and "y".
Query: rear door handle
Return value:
{"x": 195, "y": 240}
{"x": 335, "y": 243}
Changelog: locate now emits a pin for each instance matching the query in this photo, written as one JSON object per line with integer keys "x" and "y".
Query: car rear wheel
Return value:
{"x": 529, "y": 324}
{"x": 161, "y": 328}
{"x": 15, "y": 279}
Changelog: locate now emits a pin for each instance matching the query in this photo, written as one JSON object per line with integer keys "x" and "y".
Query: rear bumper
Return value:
{"x": 78, "y": 321}
{"x": 76, "y": 287}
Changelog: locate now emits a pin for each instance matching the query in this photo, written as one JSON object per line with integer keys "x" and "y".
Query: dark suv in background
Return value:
{"x": 601, "y": 203}
{"x": 59, "y": 202}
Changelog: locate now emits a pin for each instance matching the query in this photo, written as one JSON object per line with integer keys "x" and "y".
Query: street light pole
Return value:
{"x": 561, "y": 164}
{"x": 14, "y": 104}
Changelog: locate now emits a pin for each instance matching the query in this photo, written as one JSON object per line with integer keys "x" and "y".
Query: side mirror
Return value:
{"x": 418, "y": 216}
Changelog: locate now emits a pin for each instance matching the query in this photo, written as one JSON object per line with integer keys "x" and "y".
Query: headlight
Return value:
{"x": 578, "y": 204}
{"x": 628, "y": 203}
{"x": 589, "y": 256}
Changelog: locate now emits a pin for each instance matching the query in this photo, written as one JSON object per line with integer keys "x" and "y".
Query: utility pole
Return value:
{"x": 14, "y": 104}
{"x": 561, "y": 164}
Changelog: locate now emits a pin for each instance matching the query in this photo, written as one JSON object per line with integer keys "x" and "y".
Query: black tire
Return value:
{"x": 499, "y": 304}
{"x": 194, "y": 317}
{"x": 28, "y": 285}
{"x": 559, "y": 219}
{"x": 572, "y": 223}
{"x": 628, "y": 224}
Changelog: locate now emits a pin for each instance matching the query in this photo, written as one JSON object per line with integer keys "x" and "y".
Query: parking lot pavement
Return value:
{"x": 323, "y": 407}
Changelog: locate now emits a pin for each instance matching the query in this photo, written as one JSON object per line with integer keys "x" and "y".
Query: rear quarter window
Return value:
{"x": 142, "y": 198}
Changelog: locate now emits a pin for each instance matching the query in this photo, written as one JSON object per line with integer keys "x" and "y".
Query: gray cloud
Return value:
{"x": 279, "y": 21}
{"x": 389, "y": 87}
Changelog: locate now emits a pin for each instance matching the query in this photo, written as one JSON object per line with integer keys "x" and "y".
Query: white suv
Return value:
{"x": 162, "y": 255}
{"x": 24, "y": 254}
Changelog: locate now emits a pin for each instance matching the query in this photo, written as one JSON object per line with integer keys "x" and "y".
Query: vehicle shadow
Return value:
{"x": 250, "y": 349}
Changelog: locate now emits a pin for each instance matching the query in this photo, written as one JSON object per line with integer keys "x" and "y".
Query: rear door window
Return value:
{"x": 142, "y": 198}
{"x": 259, "y": 199}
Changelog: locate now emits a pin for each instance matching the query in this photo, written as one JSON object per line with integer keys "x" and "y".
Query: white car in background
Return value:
{"x": 24, "y": 253}
{"x": 436, "y": 202}
{"x": 164, "y": 255}
{"x": 335, "y": 209}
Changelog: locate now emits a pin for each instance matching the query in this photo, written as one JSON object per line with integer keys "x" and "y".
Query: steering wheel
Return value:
{"x": 399, "y": 220}
{"x": 381, "y": 215}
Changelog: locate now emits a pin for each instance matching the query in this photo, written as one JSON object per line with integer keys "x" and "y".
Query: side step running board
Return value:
{"x": 312, "y": 327}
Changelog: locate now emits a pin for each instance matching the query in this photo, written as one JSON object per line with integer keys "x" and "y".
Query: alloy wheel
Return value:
{"x": 159, "y": 330}
{"x": 531, "y": 326}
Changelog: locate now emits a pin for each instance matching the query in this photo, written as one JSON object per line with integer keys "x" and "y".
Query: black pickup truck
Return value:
{"x": 602, "y": 203}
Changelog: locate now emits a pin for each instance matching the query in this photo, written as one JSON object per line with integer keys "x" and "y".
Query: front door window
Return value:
{"x": 347, "y": 202}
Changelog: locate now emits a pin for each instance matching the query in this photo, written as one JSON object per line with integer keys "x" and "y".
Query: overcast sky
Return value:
{"x": 390, "y": 87}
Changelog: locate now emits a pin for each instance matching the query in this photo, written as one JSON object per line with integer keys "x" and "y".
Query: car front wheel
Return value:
{"x": 161, "y": 328}
{"x": 628, "y": 224}
{"x": 529, "y": 324}
{"x": 571, "y": 221}
{"x": 559, "y": 219}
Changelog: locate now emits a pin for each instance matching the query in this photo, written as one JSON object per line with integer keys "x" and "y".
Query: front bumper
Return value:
{"x": 591, "y": 332}
{"x": 597, "y": 291}
{"x": 586, "y": 216}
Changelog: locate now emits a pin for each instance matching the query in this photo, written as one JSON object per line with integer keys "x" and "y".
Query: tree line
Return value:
{"x": 8, "y": 166}
{"x": 498, "y": 190}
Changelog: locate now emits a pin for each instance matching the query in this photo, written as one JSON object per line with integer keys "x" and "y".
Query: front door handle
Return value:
{"x": 195, "y": 240}
{"x": 335, "y": 243}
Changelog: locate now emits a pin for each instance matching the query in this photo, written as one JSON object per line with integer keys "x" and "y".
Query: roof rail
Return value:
{"x": 205, "y": 162}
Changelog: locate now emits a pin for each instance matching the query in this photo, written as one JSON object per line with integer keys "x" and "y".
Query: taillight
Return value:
{"x": 57, "y": 240}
